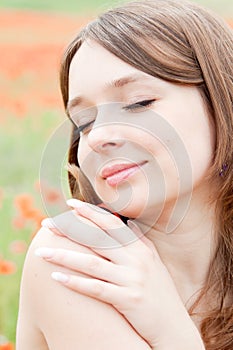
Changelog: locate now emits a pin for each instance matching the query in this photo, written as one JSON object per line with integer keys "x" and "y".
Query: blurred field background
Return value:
{"x": 33, "y": 35}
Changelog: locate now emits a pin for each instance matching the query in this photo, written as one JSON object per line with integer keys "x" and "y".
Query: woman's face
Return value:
{"x": 144, "y": 142}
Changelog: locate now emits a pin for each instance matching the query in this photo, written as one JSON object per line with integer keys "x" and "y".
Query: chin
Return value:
{"x": 131, "y": 213}
{"x": 126, "y": 199}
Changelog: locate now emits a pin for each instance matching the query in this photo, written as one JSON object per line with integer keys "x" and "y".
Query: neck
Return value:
{"x": 188, "y": 249}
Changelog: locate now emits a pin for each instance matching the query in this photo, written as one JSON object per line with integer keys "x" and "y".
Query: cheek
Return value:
{"x": 201, "y": 138}
{"x": 198, "y": 137}
{"x": 201, "y": 148}
{"x": 82, "y": 153}
{"x": 88, "y": 160}
{"x": 192, "y": 128}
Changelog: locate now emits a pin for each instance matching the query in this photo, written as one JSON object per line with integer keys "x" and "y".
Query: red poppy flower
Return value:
{"x": 7, "y": 267}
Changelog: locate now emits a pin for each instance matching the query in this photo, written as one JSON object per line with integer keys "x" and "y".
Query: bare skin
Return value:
{"x": 84, "y": 322}
{"x": 182, "y": 258}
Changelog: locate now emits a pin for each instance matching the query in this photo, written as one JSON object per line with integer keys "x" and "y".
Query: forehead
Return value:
{"x": 93, "y": 66}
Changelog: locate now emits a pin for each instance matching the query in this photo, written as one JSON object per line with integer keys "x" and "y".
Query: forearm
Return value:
{"x": 186, "y": 338}
{"x": 192, "y": 344}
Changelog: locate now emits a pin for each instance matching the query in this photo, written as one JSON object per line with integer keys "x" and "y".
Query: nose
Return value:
{"x": 104, "y": 138}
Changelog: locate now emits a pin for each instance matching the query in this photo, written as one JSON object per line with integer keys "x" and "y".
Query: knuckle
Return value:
{"x": 135, "y": 297}
{"x": 142, "y": 267}
{"x": 97, "y": 289}
{"x": 150, "y": 253}
{"x": 93, "y": 264}
{"x": 139, "y": 280}
{"x": 60, "y": 256}
{"x": 147, "y": 253}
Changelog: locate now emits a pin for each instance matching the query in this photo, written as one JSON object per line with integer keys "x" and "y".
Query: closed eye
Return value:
{"x": 133, "y": 107}
{"x": 139, "y": 105}
{"x": 85, "y": 127}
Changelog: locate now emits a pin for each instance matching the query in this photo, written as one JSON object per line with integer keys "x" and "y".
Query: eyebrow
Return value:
{"x": 116, "y": 83}
{"x": 120, "y": 82}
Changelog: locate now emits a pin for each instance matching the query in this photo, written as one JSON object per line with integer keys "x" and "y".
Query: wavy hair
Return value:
{"x": 182, "y": 43}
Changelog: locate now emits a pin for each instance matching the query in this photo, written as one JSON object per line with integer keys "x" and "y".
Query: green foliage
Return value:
{"x": 21, "y": 144}
{"x": 23, "y": 137}
{"x": 77, "y": 6}
{"x": 224, "y": 7}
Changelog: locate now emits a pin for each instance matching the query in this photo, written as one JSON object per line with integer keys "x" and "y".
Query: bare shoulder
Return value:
{"x": 67, "y": 319}
{"x": 45, "y": 237}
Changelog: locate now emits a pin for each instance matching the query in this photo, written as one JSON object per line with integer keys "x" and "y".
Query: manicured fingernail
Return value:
{"x": 133, "y": 226}
{"x": 75, "y": 203}
{"x": 48, "y": 223}
{"x": 44, "y": 252}
{"x": 60, "y": 277}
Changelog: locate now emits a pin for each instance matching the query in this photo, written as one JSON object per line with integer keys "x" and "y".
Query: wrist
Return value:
{"x": 181, "y": 336}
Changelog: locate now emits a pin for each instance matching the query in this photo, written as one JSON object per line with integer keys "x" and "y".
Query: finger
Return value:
{"x": 74, "y": 228}
{"x": 117, "y": 256}
{"x": 103, "y": 291}
{"x": 108, "y": 222}
{"x": 49, "y": 225}
{"x": 89, "y": 264}
{"x": 113, "y": 226}
{"x": 80, "y": 230}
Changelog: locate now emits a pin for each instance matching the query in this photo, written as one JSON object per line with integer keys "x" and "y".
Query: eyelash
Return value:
{"x": 84, "y": 126}
{"x": 133, "y": 108}
{"x": 139, "y": 105}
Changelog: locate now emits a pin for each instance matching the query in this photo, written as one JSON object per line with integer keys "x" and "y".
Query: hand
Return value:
{"x": 127, "y": 273}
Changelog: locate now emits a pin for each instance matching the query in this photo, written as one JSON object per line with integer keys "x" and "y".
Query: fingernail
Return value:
{"x": 60, "y": 277}
{"x": 48, "y": 223}
{"x": 75, "y": 203}
{"x": 133, "y": 226}
{"x": 44, "y": 252}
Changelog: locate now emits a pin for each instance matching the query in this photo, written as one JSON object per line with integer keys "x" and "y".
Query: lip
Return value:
{"x": 118, "y": 172}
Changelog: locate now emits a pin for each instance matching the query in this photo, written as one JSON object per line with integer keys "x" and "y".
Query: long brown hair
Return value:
{"x": 182, "y": 43}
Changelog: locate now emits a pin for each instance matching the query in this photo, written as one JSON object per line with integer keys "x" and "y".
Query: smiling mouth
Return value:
{"x": 120, "y": 172}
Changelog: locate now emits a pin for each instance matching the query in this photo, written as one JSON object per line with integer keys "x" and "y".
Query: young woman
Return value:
{"x": 148, "y": 87}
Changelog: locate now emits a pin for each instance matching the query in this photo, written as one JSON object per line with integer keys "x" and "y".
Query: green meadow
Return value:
{"x": 30, "y": 112}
